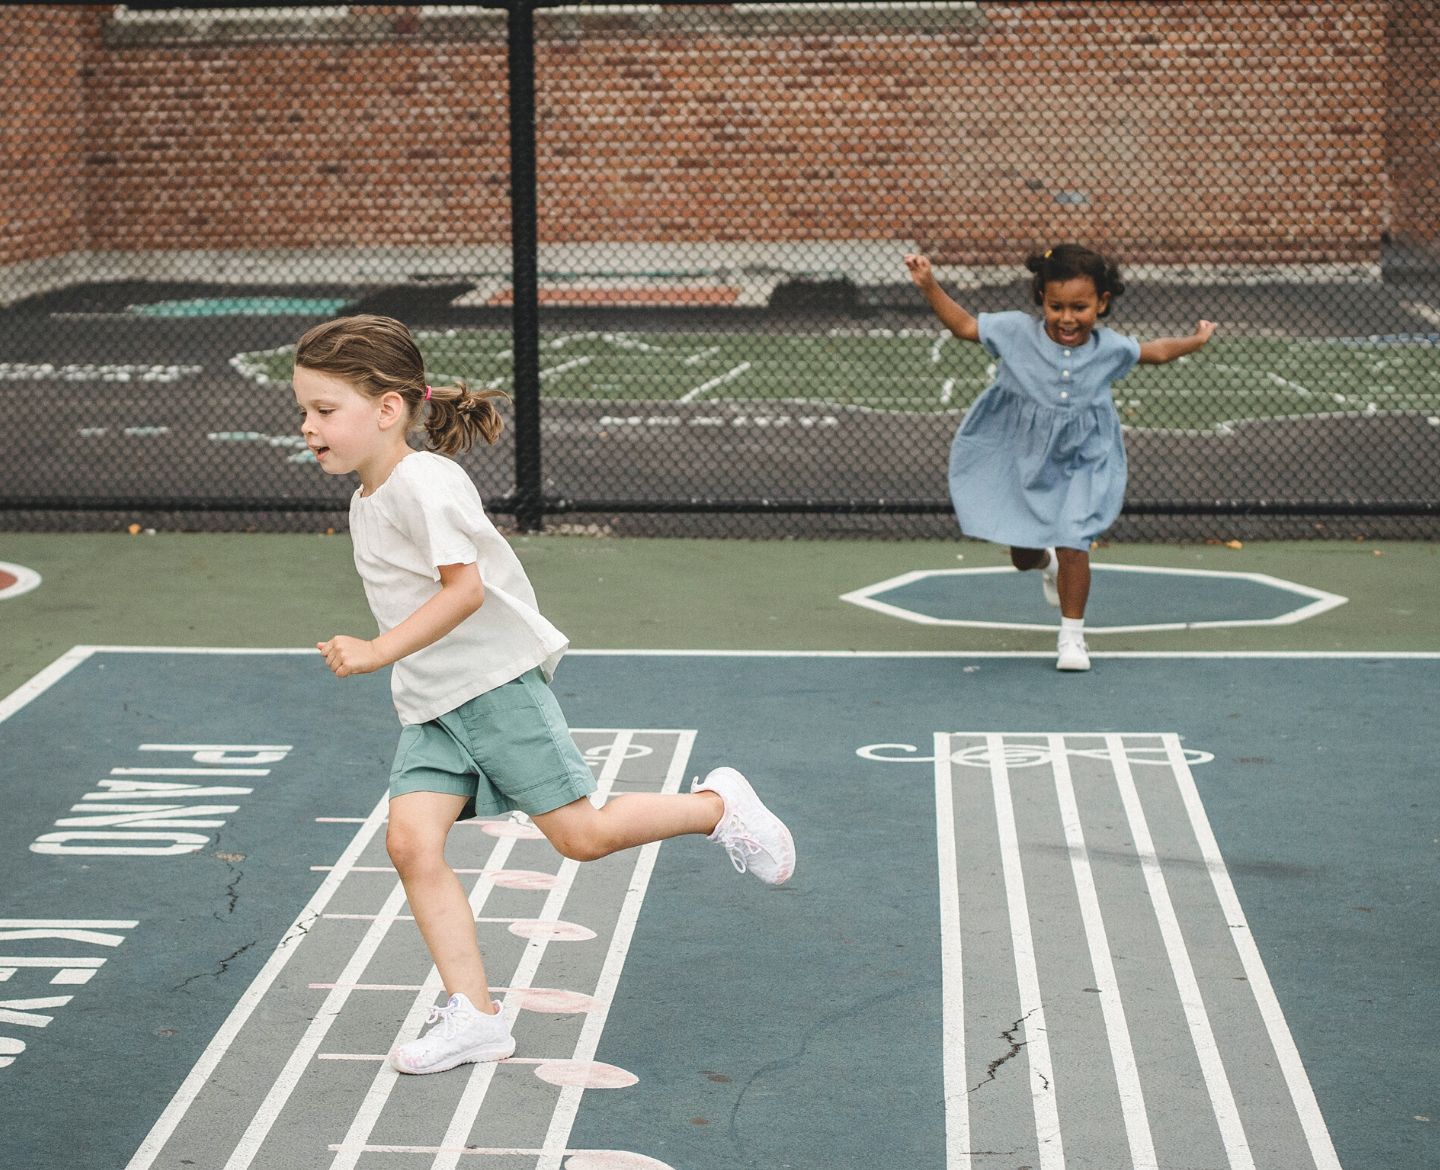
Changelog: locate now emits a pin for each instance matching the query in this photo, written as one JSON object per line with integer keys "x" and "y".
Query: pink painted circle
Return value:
{"x": 524, "y": 879}
{"x": 510, "y": 829}
{"x": 559, "y": 931}
{"x": 613, "y": 1160}
{"x": 585, "y": 1074}
{"x": 550, "y": 999}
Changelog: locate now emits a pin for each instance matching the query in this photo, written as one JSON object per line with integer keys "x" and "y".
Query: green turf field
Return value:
{"x": 1232, "y": 380}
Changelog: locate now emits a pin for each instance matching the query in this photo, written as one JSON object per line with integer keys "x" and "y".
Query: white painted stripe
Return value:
{"x": 376, "y": 1096}
{"x": 952, "y": 980}
{"x": 563, "y": 1119}
{"x": 1027, "y": 976}
{"x": 705, "y": 387}
{"x": 25, "y": 580}
{"x": 216, "y": 747}
{"x": 1317, "y": 1134}
{"x": 1212, "y": 1068}
{"x": 563, "y": 366}
{"x": 215, "y": 1051}
{"x": 677, "y": 652}
{"x": 43, "y": 681}
{"x": 1112, "y": 1007}
{"x": 462, "y": 1120}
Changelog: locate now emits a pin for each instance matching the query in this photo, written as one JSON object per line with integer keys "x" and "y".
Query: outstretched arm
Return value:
{"x": 961, "y": 323}
{"x": 1167, "y": 349}
{"x": 461, "y": 594}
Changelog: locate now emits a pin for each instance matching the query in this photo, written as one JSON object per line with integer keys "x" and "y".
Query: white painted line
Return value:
{"x": 205, "y": 1067}
{"x": 1170, "y": 655}
{"x": 705, "y": 387}
{"x": 43, "y": 681}
{"x": 1321, "y": 601}
{"x": 952, "y": 970}
{"x": 946, "y": 390}
{"x": 1027, "y": 975}
{"x": 1302, "y": 1093}
{"x": 373, "y": 1103}
{"x": 563, "y": 366}
{"x": 1222, "y": 1098}
{"x": 462, "y": 1120}
{"x": 563, "y": 1119}
{"x": 269, "y": 1110}
{"x": 1112, "y": 1007}
{"x": 25, "y": 580}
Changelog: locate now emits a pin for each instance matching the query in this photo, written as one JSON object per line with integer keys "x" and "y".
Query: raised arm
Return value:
{"x": 1167, "y": 349}
{"x": 961, "y": 323}
{"x": 461, "y": 594}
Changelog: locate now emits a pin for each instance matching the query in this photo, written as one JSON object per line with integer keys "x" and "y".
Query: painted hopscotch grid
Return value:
{"x": 1128, "y": 1019}
{"x": 297, "y": 1076}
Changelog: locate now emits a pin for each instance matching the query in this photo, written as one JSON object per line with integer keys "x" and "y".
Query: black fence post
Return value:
{"x": 524, "y": 245}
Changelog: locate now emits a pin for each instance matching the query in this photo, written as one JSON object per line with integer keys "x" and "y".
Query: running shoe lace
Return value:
{"x": 739, "y": 843}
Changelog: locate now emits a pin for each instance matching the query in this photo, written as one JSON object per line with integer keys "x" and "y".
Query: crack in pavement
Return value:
{"x": 1008, "y": 1035}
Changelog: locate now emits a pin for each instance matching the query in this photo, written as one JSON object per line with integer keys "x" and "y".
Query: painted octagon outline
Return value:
{"x": 1319, "y": 601}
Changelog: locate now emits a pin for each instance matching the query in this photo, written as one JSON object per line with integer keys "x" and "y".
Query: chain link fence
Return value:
{"x": 675, "y": 233}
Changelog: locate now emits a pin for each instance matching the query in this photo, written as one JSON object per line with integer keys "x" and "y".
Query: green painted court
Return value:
{"x": 1163, "y": 915}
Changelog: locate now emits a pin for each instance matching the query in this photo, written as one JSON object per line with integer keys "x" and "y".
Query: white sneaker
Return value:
{"x": 755, "y": 838}
{"x": 462, "y": 1035}
{"x": 1050, "y": 579}
{"x": 1073, "y": 653}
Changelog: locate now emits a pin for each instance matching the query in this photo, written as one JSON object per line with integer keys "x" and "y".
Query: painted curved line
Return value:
{"x": 24, "y": 580}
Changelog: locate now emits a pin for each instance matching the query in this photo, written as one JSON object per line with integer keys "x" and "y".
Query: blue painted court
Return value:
{"x": 1032, "y": 925}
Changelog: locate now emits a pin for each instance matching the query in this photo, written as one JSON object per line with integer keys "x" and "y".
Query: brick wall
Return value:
{"x": 42, "y": 131}
{"x": 1413, "y": 102}
{"x": 1219, "y": 132}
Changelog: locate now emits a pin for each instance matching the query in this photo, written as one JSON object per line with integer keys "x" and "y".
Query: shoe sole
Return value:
{"x": 465, "y": 1058}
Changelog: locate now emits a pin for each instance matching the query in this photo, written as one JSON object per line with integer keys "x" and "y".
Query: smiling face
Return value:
{"x": 349, "y": 431}
{"x": 1071, "y": 309}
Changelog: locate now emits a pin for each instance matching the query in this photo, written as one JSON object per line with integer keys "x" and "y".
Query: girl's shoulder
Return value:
{"x": 426, "y": 479}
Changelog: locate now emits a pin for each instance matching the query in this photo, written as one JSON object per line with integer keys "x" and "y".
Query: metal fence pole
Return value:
{"x": 524, "y": 244}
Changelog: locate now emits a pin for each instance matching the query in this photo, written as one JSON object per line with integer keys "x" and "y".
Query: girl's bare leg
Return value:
{"x": 415, "y": 840}
{"x": 1074, "y": 581}
{"x": 583, "y": 832}
{"x": 1029, "y": 558}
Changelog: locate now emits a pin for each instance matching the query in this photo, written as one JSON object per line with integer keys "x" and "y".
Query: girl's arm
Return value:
{"x": 1167, "y": 349}
{"x": 961, "y": 323}
{"x": 461, "y": 594}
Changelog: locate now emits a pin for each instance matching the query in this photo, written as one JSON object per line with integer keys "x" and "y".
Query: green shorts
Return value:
{"x": 507, "y": 749}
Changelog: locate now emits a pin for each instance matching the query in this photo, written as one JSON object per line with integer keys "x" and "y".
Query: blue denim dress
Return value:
{"x": 1038, "y": 460}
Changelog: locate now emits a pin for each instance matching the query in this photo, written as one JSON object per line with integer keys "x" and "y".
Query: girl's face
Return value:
{"x": 1071, "y": 309}
{"x": 347, "y": 430}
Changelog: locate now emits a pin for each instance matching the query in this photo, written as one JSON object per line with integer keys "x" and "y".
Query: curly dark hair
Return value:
{"x": 1066, "y": 262}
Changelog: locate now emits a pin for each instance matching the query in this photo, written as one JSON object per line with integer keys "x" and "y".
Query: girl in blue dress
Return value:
{"x": 1039, "y": 462}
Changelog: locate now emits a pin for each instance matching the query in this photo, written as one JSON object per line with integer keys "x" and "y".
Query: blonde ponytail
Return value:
{"x": 458, "y": 416}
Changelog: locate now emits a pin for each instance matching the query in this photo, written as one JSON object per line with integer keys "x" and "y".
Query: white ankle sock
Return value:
{"x": 1072, "y": 625}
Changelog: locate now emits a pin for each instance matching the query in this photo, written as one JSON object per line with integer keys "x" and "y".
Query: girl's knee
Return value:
{"x": 410, "y": 850}
{"x": 1027, "y": 558}
{"x": 581, "y": 846}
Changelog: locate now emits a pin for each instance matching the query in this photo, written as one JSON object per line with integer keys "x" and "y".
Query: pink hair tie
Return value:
{"x": 427, "y": 394}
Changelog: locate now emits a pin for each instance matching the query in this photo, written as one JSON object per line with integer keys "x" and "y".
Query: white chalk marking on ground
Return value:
{"x": 1212, "y": 1068}
{"x": 1027, "y": 975}
{"x": 935, "y": 349}
{"x": 952, "y": 982}
{"x": 1117, "y": 1030}
{"x": 706, "y": 387}
{"x": 563, "y": 1119}
{"x": 697, "y": 358}
{"x": 946, "y": 390}
{"x": 1302, "y": 1093}
{"x": 215, "y": 1051}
